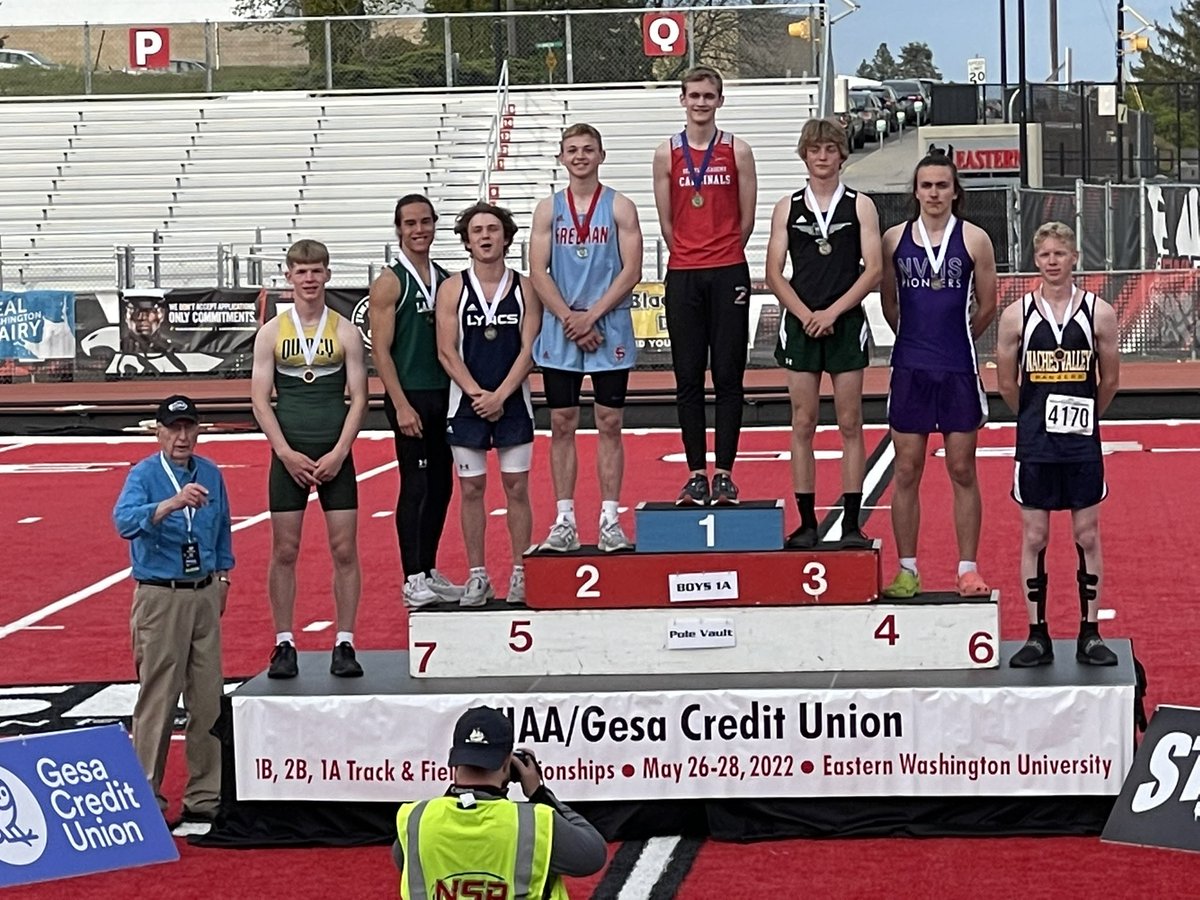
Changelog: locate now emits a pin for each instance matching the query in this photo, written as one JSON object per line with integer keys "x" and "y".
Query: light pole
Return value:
{"x": 1004, "y": 57}
{"x": 1023, "y": 107}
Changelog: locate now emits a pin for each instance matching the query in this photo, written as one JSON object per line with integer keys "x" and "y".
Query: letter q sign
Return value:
{"x": 664, "y": 34}
{"x": 149, "y": 48}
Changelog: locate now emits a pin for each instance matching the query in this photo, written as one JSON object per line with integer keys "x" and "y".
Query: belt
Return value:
{"x": 178, "y": 584}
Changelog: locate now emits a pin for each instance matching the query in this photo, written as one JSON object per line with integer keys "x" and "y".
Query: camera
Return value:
{"x": 526, "y": 757}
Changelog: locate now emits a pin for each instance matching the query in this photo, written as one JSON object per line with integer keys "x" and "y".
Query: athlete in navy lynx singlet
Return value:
{"x": 937, "y": 268}
{"x": 1057, "y": 366}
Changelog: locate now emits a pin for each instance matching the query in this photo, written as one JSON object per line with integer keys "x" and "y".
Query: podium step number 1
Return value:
{"x": 665, "y": 527}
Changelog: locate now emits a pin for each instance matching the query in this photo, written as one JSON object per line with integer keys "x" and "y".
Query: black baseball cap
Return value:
{"x": 177, "y": 408}
{"x": 483, "y": 738}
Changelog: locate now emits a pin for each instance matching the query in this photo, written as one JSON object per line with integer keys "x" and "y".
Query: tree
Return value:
{"x": 916, "y": 61}
{"x": 345, "y": 38}
{"x": 1171, "y": 70}
{"x": 881, "y": 67}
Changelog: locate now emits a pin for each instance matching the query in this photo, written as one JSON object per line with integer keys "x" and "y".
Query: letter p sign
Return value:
{"x": 149, "y": 48}
{"x": 664, "y": 34}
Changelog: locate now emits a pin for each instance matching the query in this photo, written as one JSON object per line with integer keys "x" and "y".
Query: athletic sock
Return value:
{"x": 807, "y": 504}
{"x": 566, "y": 511}
{"x": 851, "y": 509}
{"x": 284, "y": 637}
{"x": 481, "y": 571}
{"x": 910, "y": 563}
{"x": 965, "y": 566}
{"x": 609, "y": 511}
{"x": 344, "y": 637}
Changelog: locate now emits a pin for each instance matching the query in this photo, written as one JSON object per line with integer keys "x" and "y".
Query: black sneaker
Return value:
{"x": 283, "y": 661}
{"x": 854, "y": 539}
{"x": 1091, "y": 650}
{"x": 1038, "y": 651}
{"x": 802, "y": 539}
{"x": 344, "y": 665}
{"x": 724, "y": 491}
{"x": 695, "y": 492}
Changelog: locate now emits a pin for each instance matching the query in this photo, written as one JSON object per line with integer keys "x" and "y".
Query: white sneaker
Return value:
{"x": 516, "y": 587}
{"x": 417, "y": 592}
{"x": 477, "y": 592}
{"x": 612, "y": 537}
{"x": 562, "y": 539}
{"x": 443, "y": 586}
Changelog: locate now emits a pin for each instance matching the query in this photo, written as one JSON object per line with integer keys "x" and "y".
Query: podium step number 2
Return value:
{"x": 866, "y": 637}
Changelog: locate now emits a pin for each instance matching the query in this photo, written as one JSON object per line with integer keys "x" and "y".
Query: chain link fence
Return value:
{"x": 414, "y": 51}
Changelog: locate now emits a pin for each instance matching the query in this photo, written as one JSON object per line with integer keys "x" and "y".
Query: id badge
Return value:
{"x": 191, "y": 557}
{"x": 1069, "y": 415}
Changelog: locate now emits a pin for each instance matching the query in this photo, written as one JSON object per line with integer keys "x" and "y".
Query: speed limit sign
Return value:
{"x": 977, "y": 70}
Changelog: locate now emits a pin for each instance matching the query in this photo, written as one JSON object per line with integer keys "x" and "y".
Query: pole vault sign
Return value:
{"x": 149, "y": 48}
{"x": 664, "y": 34}
{"x": 1159, "y": 804}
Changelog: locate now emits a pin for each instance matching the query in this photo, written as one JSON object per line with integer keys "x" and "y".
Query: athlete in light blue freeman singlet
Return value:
{"x": 585, "y": 258}
{"x": 937, "y": 268}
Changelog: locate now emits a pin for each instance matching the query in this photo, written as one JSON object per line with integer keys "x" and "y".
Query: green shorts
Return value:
{"x": 340, "y": 492}
{"x": 843, "y": 351}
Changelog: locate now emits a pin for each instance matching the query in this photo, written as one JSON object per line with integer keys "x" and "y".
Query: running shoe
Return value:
{"x": 477, "y": 592}
{"x": 343, "y": 664}
{"x": 563, "y": 537}
{"x": 612, "y": 537}
{"x": 695, "y": 492}
{"x": 417, "y": 592}
{"x": 283, "y": 661}
{"x": 904, "y": 586}
{"x": 724, "y": 491}
{"x": 1037, "y": 651}
{"x": 516, "y": 587}
{"x": 1091, "y": 650}
{"x": 854, "y": 539}
{"x": 443, "y": 586}
{"x": 802, "y": 539}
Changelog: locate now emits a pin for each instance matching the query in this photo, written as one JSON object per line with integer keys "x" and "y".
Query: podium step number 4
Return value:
{"x": 665, "y": 527}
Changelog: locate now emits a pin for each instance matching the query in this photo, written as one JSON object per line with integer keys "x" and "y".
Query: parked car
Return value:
{"x": 13, "y": 59}
{"x": 869, "y": 110}
{"x": 927, "y": 84}
{"x": 856, "y": 134}
{"x": 891, "y": 103}
{"x": 174, "y": 67}
{"x": 910, "y": 91}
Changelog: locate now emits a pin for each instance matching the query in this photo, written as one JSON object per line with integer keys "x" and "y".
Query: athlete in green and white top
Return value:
{"x": 416, "y": 394}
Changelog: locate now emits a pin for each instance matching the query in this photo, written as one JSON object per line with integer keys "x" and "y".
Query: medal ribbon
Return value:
{"x": 810, "y": 200}
{"x": 489, "y": 307}
{"x": 411, "y": 268}
{"x": 697, "y": 177}
{"x": 583, "y": 230}
{"x": 936, "y": 261}
{"x": 188, "y": 512}
{"x": 1068, "y": 313}
{"x": 307, "y": 347}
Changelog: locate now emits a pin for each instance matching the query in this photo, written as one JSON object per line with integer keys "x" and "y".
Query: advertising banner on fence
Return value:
{"x": 36, "y": 326}
{"x": 711, "y": 744}
{"x": 74, "y": 802}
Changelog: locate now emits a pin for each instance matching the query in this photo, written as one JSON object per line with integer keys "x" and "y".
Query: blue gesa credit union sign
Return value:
{"x": 74, "y": 802}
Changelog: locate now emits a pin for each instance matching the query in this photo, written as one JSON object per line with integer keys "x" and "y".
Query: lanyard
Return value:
{"x": 307, "y": 347}
{"x": 936, "y": 261}
{"x": 1068, "y": 313}
{"x": 489, "y": 308}
{"x": 188, "y": 512}
{"x": 583, "y": 229}
{"x": 411, "y": 268}
{"x": 697, "y": 177}
{"x": 823, "y": 221}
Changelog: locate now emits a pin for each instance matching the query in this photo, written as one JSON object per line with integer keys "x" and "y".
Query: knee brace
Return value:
{"x": 1087, "y": 583}
{"x": 1035, "y": 588}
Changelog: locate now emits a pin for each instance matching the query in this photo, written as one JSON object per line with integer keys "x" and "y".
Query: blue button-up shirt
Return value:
{"x": 155, "y": 550}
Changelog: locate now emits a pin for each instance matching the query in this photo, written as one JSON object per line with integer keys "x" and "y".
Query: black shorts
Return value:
{"x": 1053, "y": 486}
{"x": 513, "y": 428}
{"x": 285, "y": 495}
{"x": 562, "y": 387}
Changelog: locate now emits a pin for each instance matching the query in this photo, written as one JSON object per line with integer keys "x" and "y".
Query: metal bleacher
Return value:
{"x": 254, "y": 172}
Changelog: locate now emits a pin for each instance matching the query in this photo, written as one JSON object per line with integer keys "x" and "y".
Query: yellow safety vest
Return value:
{"x": 494, "y": 850}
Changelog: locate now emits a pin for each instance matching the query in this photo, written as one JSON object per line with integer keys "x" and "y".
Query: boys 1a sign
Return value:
{"x": 1159, "y": 804}
{"x": 76, "y": 802}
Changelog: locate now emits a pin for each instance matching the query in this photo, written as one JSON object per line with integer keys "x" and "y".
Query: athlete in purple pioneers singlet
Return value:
{"x": 935, "y": 267}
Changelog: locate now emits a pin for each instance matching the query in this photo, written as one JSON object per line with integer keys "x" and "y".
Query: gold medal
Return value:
{"x": 697, "y": 200}
{"x": 309, "y": 376}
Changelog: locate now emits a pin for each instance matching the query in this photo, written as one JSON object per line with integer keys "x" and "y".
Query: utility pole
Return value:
{"x": 1054, "y": 41}
{"x": 1120, "y": 88}
{"x": 1004, "y": 58}
{"x": 1023, "y": 106}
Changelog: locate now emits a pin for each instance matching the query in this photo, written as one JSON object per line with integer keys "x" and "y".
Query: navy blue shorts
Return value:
{"x": 1051, "y": 486}
{"x": 924, "y": 402}
{"x": 513, "y": 428}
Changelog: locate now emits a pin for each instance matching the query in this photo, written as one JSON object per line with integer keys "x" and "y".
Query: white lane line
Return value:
{"x": 382, "y": 514}
{"x": 117, "y": 577}
{"x": 869, "y": 484}
{"x": 8, "y": 447}
{"x": 651, "y": 864}
{"x": 1103, "y": 614}
{"x": 319, "y": 625}
{"x": 29, "y": 520}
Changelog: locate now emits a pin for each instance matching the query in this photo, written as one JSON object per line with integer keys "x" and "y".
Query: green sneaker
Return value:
{"x": 904, "y": 586}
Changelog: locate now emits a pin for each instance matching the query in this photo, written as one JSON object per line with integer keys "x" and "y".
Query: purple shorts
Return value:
{"x": 924, "y": 402}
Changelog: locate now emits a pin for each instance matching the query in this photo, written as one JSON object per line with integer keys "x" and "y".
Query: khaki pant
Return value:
{"x": 177, "y": 649}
